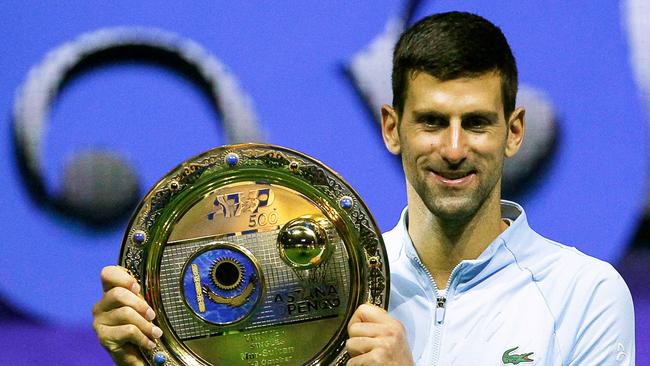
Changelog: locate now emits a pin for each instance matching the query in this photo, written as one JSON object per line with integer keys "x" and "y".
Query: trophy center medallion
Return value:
{"x": 221, "y": 284}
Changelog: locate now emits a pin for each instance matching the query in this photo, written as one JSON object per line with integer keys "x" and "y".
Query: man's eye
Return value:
{"x": 475, "y": 123}
{"x": 434, "y": 121}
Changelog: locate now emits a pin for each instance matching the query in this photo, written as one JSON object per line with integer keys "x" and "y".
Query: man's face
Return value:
{"x": 453, "y": 138}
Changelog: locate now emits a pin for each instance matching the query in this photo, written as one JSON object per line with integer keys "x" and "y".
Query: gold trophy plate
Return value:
{"x": 254, "y": 255}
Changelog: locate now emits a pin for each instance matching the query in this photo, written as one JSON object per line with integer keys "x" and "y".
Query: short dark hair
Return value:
{"x": 452, "y": 45}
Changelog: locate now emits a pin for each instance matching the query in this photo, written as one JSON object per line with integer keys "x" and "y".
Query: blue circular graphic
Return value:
{"x": 222, "y": 284}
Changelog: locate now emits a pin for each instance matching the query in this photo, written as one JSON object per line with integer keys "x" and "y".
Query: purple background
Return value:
{"x": 290, "y": 60}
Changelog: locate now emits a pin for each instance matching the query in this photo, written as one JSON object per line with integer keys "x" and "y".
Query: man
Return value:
{"x": 471, "y": 283}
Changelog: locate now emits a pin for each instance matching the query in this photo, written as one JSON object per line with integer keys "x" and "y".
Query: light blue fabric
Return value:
{"x": 523, "y": 291}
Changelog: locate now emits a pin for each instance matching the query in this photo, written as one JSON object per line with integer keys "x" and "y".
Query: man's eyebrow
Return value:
{"x": 487, "y": 115}
{"x": 429, "y": 113}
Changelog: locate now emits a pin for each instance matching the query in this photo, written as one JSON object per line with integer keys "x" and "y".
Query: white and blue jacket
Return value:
{"x": 525, "y": 300}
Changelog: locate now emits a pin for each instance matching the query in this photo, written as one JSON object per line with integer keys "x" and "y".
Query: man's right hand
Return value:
{"x": 122, "y": 318}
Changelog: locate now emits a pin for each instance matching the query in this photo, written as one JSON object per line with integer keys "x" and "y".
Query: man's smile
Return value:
{"x": 454, "y": 178}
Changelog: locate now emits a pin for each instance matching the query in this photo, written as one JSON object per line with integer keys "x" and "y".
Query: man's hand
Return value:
{"x": 376, "y": 338}
{"x": 122, "y": 318}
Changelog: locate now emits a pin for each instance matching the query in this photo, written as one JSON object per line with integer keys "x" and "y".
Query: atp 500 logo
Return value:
{"x": 231, "y": 205}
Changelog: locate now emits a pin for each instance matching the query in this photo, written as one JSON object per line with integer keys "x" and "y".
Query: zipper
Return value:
{"x": 440, "y": 309}
{"x": 441, "y": 302}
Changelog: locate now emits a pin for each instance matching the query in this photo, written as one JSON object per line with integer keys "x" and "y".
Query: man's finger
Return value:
{"x": 116, "y": 276}
{"x": 366, "y": 329}
{"x": 359, "y": 345}
{"x": 118, "y": 297}
{"x": 365, "y": 359}
{"x": 116, "y": 337}
{"x": 369, "y": 313}
{"x": 128, "y": 316}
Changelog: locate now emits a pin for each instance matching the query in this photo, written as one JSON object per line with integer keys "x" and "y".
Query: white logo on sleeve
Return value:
{"x": 620, "y": 352}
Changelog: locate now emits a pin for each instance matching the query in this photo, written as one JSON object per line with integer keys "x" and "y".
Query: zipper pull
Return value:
{"x": 440, "y": 309}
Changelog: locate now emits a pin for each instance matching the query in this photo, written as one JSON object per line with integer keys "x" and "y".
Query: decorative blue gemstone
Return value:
{"x": 159, "y": 358}
{"x": 232, "y": 159}
{"x": 346, "y": 202}
{"x": 138, "y": 237}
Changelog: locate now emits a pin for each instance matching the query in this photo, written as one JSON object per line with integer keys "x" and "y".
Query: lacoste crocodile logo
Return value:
{"x": 515, "y": 358}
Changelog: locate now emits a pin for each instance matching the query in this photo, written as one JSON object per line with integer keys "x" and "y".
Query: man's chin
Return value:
{"x": 453, "y": 209}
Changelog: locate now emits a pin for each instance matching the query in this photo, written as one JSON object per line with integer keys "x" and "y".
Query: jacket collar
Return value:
{"x": 497, "y": 255}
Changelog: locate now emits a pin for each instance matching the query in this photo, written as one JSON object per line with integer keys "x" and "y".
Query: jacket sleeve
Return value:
{"x": 605, "y": 326}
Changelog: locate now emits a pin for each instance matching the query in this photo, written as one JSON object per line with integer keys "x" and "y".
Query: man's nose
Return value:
{"x": 454, "y": 146}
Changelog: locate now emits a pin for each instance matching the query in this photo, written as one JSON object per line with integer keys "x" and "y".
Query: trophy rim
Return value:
{"x": 171, "y": 185}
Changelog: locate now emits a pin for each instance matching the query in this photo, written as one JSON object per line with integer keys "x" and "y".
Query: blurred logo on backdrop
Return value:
{"x": 99, "y": 188}
{"x": 637, "y": 23}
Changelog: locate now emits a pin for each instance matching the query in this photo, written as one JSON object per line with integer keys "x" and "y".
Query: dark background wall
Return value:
{"x": 290, "y": 59}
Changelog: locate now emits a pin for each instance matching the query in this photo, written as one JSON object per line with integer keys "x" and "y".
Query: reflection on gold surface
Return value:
{"x": 240, "y": 207}
{"x": 303, "y": 242}
{"x": 294, "y": 344}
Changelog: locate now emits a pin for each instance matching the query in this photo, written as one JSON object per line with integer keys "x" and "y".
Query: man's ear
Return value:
{"x": 389, "y": 129}
{"x": 516, "y": 131}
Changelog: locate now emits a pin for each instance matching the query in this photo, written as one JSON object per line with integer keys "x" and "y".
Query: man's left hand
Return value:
{"x": 376, "y": 338}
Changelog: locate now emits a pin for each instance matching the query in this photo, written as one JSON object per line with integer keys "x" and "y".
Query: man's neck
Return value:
{"x": 442, "y": 244}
